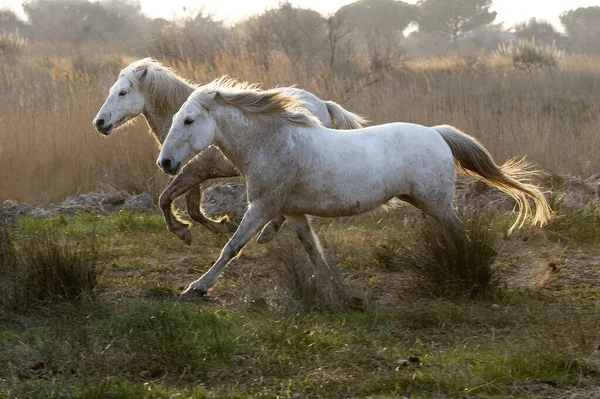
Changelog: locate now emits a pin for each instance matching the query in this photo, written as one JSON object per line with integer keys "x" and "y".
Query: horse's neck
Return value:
{"x": 241, "y": 138}
{"x": 159, "y": 122}
{"x": 160, "y": 118}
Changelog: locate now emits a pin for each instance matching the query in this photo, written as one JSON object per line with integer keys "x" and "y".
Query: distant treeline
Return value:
{"x": 381, "y": 30}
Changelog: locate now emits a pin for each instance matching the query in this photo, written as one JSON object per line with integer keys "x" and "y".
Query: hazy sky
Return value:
{"x": 509, "y": 11}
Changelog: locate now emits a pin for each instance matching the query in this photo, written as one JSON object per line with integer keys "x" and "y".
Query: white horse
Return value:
{"x": 294, "y": 166}
{"x": 146, "y": 87}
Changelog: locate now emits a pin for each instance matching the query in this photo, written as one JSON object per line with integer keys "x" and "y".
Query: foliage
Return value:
{"x": 455, "y": 17}
{"x": 11, "y": 44}
{"x": 541, "y": 31}
{"x": 582, "y": 225}
{"x": 386, "y": 16}
{"x": 583, "y": 27}
{"x": 527, "y": 54}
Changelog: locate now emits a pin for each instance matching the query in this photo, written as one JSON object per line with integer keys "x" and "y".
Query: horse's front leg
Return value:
{"x": 180, "y": 184}
{"x": 208, "y": 165}
{"x": 254, "y": 219}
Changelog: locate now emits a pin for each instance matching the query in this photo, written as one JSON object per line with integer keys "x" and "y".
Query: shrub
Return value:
{"x": 527, "y": 54}
{"x": 45, "y": 268}
{"x": 448, "y": 265}
{"x": 11, "y": 43}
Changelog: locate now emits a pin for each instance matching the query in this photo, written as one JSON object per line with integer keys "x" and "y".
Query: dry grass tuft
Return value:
{"x": 38, "y": 270}
{"x": 449, "y": 265}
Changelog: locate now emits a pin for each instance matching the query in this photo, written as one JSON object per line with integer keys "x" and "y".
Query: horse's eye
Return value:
{"x": 188, "y": 121}
{"x": 122, "y": 93}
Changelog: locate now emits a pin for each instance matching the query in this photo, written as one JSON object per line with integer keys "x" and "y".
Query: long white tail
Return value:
{"x": 343, "y": 119}
{"x": 474, "y": 160}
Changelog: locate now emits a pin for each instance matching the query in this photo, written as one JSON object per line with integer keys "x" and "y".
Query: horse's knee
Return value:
{"x": 164, "y": 201}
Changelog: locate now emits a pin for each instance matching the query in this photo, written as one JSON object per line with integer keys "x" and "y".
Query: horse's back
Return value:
{"x": 368, "y": 166}
{"x": 312, "y": 104}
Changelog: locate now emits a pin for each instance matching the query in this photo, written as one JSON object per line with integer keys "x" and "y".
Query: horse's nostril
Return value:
{"x": 166, "y": 164}
{"x": 100, "y": 122}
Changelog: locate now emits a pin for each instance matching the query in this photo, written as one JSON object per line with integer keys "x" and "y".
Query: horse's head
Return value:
{"x": 125, "y": 101}
{"x": 193, "y": 129}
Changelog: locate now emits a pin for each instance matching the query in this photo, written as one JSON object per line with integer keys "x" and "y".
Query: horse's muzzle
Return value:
{"x": 105, "y": 130}
{"x": 168, "y": 166}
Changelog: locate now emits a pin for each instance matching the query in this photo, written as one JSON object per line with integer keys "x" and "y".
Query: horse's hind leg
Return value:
{"x": 270, "y": 230}
{"x": 311, "y": 244}
{"x": 441, "y": 210}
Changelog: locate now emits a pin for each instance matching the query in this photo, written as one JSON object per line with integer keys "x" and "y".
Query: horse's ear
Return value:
{"x": 212, "y": 97}
{"x": 141, "y": 73}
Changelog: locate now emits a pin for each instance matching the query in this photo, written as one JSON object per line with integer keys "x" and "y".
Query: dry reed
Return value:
{"x": 49, "y": 149}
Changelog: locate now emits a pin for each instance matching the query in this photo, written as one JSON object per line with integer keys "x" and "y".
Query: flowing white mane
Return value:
{"x": 252, "y": 99}
{"x": 167, "y": 88}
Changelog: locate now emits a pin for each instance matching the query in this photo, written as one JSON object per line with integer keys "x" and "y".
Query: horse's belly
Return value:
{"x": 333, "y": 206}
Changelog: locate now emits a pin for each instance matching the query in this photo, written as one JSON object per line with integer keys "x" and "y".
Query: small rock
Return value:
{"x": 140, "y": 202}
{"x": 496, "y": 306}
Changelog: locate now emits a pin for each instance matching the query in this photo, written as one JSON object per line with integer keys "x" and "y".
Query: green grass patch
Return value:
{"x": 35, "y": 271}
{"x": 580, "y": 225}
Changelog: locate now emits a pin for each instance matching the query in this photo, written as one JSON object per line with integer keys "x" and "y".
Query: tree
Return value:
{"x": 454, "y": 17}
{"x": 583, "y": 27}
{"x": 297, "y": 32}
{"x": 76, "y": 21}
{"x": 10, "y": 23}
{"x": 197, "y": 38}
{"x": 385, "y": 16}
{"x": 337, "y": 30}
{"x": 377, "y": 28}
{"x": 542, "y": 31}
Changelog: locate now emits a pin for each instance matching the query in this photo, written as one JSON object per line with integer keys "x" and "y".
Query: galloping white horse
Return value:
{"x": 294, "y": 166}
{"x": 149, "y": 88}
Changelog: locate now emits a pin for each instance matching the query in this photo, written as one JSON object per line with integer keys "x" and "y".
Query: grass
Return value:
{"x": 462, "y": 348}
{"x": 451, "y": 265}
{"x": 135, "y": 340}
{"x": 45, "y": 268}
{"x": 131, "y": 338}
{"x": 579, "y": 225}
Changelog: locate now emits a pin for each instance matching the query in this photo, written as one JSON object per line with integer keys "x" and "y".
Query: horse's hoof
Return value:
{"x": 187, "y": 237}
{"x": 184, "y": 235}
{"x": 191, "y": 293}
{"x": 230, "y": 226}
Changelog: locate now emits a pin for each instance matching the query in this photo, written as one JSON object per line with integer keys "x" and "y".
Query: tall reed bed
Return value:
{"x": 49, "y": 149}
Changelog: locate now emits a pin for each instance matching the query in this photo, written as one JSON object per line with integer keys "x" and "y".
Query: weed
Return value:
{"x": 45, "y": 268}
{"x": 450, "y": 265}
{"x": 582, "y": 225}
